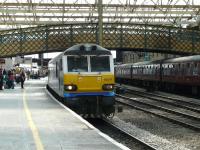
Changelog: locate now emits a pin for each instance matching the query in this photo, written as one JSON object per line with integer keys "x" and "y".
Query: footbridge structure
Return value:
{"x": 116, "y": 36}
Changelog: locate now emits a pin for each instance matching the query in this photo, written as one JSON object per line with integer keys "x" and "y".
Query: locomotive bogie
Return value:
{"x": 95, "y": 105}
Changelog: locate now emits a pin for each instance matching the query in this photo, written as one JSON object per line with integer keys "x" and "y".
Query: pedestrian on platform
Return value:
{"x": 1, "y": 80}
{"x": 11, "y": 80}
{"x": 5, "y": 81}
{"x": 28, "y": 74}
{"x": 22, "y": 78}
{"x": 4, "y": 72}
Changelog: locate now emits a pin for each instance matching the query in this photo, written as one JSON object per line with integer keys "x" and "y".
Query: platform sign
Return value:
{"x": 27, "y": 60}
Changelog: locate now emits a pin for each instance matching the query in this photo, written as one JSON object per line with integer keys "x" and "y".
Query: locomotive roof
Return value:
{"x": 87, "y": 49}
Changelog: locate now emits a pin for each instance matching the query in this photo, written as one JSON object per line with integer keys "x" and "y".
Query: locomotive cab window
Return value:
{"x": 77, "y": 64}
{"x": 100, "y": 63}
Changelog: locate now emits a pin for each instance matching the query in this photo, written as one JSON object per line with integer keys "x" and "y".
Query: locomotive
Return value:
{"x": 83, "y": 78}
{"x": 181, "y": 74}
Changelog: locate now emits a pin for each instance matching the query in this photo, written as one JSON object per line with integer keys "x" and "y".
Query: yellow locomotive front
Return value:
{"x": 89, "y": 80}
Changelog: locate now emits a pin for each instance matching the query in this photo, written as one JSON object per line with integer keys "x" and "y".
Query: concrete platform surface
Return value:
{"x": 31, "y": 120}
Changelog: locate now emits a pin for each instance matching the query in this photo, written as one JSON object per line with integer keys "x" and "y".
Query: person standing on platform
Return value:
{"x": 22, "y": 78}
{"x": 4, "y": 72}
{"x": 28, "y": 74}
{"x": 5, "y": 80}
{"x": 11, "y": 80}
{"x": 1, "y": 80}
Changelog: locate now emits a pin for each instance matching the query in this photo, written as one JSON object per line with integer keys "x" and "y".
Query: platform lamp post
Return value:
{"x": 41, "y": 57}
{"x": 100, "y": 22}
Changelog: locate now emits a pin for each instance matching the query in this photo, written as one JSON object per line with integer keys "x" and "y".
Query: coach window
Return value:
{"x": 134, "y": 70}
{"x": 77, "y": 64}
{"x": 195, "y": 70}
{"x": 167, "y": 70}
{"x": 188, "y": 69}
{"x": 150, "y": 70}
{"x": 100, "y": 63}
{"x": 145, "y": 70}
{"x": 183, "y": 68}
{"x": 173, "y": 70}
{"x": 153, "y": 69}
{"x": 179, "y": 69}
{"x": 198, "y": 68}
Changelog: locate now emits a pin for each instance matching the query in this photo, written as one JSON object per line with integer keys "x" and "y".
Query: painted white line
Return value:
{"x": 88, "y": 124}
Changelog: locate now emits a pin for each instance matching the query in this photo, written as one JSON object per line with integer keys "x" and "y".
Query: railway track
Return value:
{"x": 181, "y": 102}
{"x": 170, "y": 107}
{"x": 189, "y": 105}
{"x": 114, "y": 131}
{"x": 184, "y": 119}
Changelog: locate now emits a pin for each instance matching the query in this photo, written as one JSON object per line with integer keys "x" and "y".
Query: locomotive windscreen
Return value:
{"x": 100, "y": 63}
{"x": 77, "y": 64}
{"x": 88, "y": 63}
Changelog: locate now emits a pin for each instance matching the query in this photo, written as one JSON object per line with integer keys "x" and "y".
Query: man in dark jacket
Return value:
{"x": 22, "y": 78}
{"x": 1, "y": 80}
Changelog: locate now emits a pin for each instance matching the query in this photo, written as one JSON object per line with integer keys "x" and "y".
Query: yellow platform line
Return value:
{"x": 34, "y": 130}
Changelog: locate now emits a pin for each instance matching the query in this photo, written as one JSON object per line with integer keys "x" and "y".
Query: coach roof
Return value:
{"x": 186, "y": 59}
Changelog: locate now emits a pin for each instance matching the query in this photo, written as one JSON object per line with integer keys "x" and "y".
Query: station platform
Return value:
{"x": 30, "y": 119}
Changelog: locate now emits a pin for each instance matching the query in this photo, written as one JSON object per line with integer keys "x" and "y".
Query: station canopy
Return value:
{"x": 26, "y": 13}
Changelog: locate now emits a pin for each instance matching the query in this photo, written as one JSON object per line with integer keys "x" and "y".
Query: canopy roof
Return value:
{"x": 25, "y": 13}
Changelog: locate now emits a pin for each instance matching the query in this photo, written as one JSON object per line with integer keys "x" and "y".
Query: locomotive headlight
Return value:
{"x": 70, "y": 87}
{"x": 108, "y": 86}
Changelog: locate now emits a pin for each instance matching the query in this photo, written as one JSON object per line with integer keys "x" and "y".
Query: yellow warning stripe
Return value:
{"x": 38, "y": 142}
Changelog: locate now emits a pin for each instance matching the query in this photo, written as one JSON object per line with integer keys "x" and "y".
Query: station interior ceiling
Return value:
{"x": 28, "y": 13}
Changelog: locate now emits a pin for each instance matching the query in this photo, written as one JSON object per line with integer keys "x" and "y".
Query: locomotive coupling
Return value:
{"x": 120, "y": 90}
